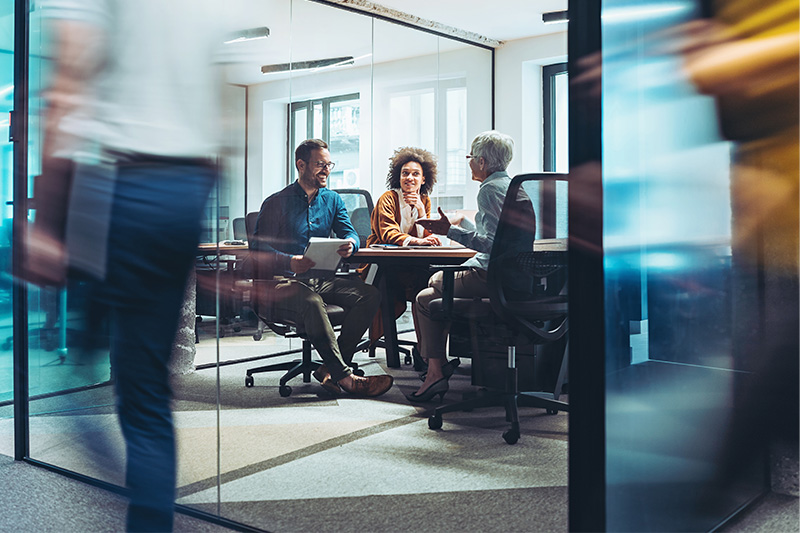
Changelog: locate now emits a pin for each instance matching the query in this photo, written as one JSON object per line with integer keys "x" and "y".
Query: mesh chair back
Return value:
{"x": 359, "y": 207}
{"x": 527, "y": 286}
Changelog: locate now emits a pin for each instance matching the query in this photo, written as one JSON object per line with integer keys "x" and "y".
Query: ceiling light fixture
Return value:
{"x": 248, "y": 35}
{"x": 555, "y": 17}
{"x": 308, "y": 65}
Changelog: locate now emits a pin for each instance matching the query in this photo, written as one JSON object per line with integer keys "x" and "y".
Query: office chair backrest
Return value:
{"x": 359, "y": 207}
{"x": 239, "y": 229}
{"x": 250, "y": 228}
{"x": 250, "y": 224}
{"x": 525, "y": 285}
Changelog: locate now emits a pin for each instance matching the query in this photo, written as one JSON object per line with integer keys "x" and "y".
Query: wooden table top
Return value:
{"x": 541, "y": 245}
{"x": 430, "y": 251}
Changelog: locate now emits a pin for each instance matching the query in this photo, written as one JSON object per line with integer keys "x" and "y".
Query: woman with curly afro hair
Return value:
{"x": 412, "y": 175}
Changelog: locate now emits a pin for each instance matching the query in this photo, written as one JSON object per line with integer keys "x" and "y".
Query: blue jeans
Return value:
{"x": 154, "y": 228}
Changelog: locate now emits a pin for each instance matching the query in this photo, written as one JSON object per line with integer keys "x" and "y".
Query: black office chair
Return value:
{"x": 527, "y": 304}
{"x": 239, "y": 229}
{"x": 262, "y": 305}
{"x": 359, "y": 208}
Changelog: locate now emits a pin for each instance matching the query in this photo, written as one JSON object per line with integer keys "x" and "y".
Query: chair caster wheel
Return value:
{"x": 257, "y": 336}
{"x": 248, "y": 381}
{"x": 284, "y": 390}
{"x": 358, "y": 372}
{"x": 435, "y": 422}
{"x": 511, "y": 436}
{"x": 552, "y": 411}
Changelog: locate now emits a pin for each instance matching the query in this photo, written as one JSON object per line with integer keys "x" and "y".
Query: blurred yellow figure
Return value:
{"x": 748, "y": 58}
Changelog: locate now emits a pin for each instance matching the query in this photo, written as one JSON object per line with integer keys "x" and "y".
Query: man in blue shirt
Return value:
{"x": 286, "y": 222}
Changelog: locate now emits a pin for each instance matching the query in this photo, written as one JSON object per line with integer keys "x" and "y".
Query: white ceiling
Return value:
{"x": 303, "y": 31}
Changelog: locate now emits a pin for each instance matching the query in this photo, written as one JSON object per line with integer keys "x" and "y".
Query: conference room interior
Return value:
{"x": 368, "y": 82}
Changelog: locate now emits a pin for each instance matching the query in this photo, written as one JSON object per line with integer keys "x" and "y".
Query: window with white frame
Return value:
{"x": 336, "y": 121}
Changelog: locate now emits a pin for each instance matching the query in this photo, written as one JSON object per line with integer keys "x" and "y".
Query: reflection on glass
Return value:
{"x": 668, "y": 275}
{"x": 412, "y": 119}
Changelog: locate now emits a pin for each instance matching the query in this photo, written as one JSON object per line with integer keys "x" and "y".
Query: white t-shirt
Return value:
{"x": 158, "y": 92}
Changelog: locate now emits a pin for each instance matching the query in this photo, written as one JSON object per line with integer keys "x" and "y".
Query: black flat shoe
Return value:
{"x": 439, "y": 388}
{"x": 447, "y": 369}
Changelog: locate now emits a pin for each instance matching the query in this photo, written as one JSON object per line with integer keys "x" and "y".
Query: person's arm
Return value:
{"x": 481, "y": 236}
{"x": 267, "y": 235}
{"x": 78, "y": 37}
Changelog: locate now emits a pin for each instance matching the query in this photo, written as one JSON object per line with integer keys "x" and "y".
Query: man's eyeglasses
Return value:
{"x": 322, "y": 164}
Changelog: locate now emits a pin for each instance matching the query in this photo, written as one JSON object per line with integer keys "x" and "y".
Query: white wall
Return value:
{"x": 268, "y": 108}
{"x": 518, "y": 108}
{"x": 518, "y": 95}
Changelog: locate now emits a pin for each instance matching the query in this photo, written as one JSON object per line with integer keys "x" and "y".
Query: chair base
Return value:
{"x": 410, "y": 354}
{"x": 304, "y": 366}
{"x": 509, "y": 400}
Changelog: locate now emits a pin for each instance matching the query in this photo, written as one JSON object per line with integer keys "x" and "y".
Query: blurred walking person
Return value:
{"x": 133, "y": 105}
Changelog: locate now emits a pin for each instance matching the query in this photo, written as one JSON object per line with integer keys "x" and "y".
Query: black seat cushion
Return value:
{"x": 540, "y": 309}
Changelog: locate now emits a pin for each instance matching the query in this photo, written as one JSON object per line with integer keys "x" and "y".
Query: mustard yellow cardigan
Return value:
{"x": 386, "y": 220}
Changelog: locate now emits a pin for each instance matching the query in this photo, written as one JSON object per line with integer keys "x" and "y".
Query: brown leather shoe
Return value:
{"x": 369, "y": 386}
{"x": 322, "y": 375}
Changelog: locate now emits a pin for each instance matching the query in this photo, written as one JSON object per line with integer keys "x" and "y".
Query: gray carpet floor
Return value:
{"x": 311, "y": 462}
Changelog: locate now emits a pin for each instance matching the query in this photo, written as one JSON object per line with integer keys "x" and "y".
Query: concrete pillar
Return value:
{"x": 184, "y": 350}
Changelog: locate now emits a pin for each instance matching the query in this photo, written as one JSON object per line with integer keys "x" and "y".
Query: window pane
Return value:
{"x": 561, "y": 115}
{"x": 456, "y": 137}
{"x": 300, "y": 126}
{"x": 412, "y": 119}
{"x": 317, "y": 130}
{"x": 344, "y": 143}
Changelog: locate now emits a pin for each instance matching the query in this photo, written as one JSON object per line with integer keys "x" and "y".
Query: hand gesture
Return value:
{"x": 300, "y": 264}
{"x": 439, "y": 226}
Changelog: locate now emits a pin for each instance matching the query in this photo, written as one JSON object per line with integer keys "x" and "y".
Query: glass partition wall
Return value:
{"x": 6, "y": 195}
{"x": 658, "y": 358}
{"x": 365, "y": 85}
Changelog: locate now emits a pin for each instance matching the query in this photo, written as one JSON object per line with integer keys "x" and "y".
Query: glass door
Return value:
{"x": 6, "y": 196}
{"x": 71, "y": 403}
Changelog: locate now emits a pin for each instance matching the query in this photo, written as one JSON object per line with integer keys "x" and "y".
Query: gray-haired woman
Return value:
{"x": 489, "y": 157}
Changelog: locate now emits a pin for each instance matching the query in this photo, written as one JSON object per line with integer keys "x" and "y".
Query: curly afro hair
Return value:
{"x": 405, "y": 154}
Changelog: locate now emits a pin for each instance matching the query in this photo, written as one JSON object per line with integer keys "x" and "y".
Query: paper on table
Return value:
{"x": 322, "y": 251}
